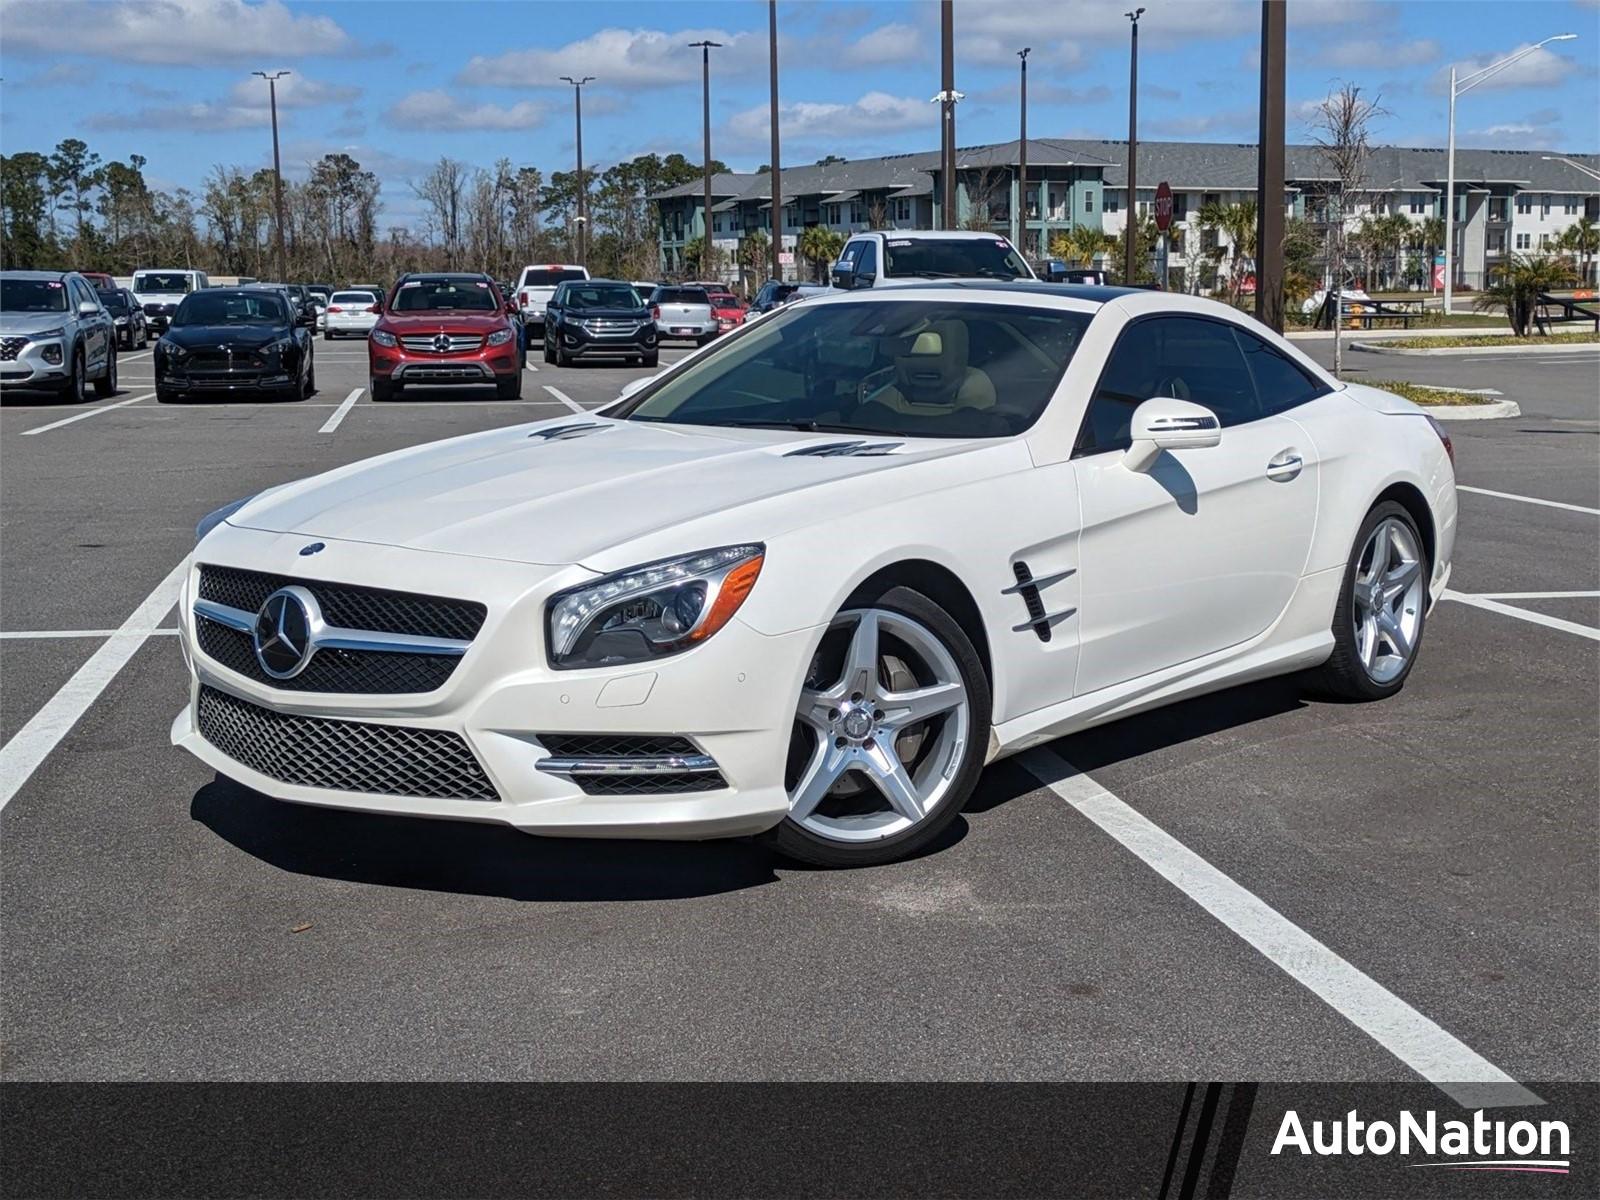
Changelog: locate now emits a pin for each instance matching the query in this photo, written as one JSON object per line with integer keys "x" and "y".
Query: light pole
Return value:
{"x": 1129, "y": 266}
{"x": 1022, "y": 155}
{"x": 1269, "y": 169}
{"x": 947, "y": 98}
{"x": 583, "y": 186}
{"x": 1459, "y": 87}
{"x": 706, "y": 48}
{"x": 277, "y": 170}
{"x": 1576, "y": 166}
{"x": 777, "y": 172}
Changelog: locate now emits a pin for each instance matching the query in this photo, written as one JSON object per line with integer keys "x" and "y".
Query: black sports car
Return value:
{"x": 248, "y": 340}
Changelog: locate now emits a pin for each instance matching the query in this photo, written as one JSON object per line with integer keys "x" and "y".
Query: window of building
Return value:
{"x": 1113, "y": 202}
{"x": 1569, "y": 205}
{"x": 1524, "y": 203}
{"x": 831, "y": 214}
{"x": 1544, "y": 205}
{"x": 1524, "y": 241}
{"x": 902, "y": 209}
{"x": 1088, "y": 202}
{"x": 1418, "y": 203}
{"x": 1180, "y": 205}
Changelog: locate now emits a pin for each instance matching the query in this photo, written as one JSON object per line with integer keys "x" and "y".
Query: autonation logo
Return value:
{"x": 1478, "y": 1145}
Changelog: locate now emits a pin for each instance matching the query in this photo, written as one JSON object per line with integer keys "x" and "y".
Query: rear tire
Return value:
{"x": 1379, "y": 620}
{"x": 309, "y": 389}
{"x": 932, "y": 762}
{"x": 327, "y": 335}
{"x": 106, "y": 385}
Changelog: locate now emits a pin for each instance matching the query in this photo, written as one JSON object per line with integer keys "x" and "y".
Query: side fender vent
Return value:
{"x": 844, "y": 450}
{"x": 1028, "y": 587}
{"x": 563, "y": 433}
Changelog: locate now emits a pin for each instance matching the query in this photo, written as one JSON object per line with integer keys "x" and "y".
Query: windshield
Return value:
{"x": 162, "y": 281}
{"x": 115, "y": 301}
{"x": 444, "y": 295}
{"x": 605, "y": 295}
{"x": 953, "y": 258}
{"x": 550, "y": 276}
{"x": 33, "y": 295}
{"x": 912, "y": 368}
{"x": 232, "y": 308}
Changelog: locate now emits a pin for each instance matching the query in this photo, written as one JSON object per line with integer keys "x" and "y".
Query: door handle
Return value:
{"x": 1285, "y": 467}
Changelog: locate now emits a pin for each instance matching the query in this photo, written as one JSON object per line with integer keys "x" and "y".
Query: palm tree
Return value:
{"x": 1082, "y": 244}
{"x": 819, "y": 246}
{"x": 1236, "y": 222}
{"x": 1583, "y": 240}
{"x": 1427, "y": 235}
{"x": 1517, "y": 290}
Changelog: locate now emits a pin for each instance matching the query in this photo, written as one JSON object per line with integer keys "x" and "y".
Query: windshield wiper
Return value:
{"x": 929, "y": 275}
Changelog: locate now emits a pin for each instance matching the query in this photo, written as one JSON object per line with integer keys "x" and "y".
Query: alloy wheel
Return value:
{"x": 1388, "y": 595}
{"x": 881, "y": 728}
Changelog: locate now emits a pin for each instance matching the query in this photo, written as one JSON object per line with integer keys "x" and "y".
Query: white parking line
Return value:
{"x": 1478, "y": 491}
{"x": 1523, "y": 614}
{"x": 529, "y": 367}
{"x": 45, "y": 635}
{"x": 565, "y": 399}
{"x": 31, "y": 745}
{"x": 1418, "y": 1042}
{"x": 1537, "y": 595}
{"x": 332, "y": 422}
{"x": 84, "y": 416}
{"x": 128, "y": 358}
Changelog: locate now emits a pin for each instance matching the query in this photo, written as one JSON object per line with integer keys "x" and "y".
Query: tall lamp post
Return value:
{"x": 1129, "y": 266}
{"x": 777, "y": 172}
{"x": 1022, "y": 156}
{"x": 583, "y": 186}
{"x": 705, "y": 49}
{"x": 277, "y": 170}
{"x": 946, "y": 100}
{"x": 1460, "y": 87}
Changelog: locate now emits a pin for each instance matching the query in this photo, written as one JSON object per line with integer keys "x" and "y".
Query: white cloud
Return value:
{"x": 870, "y": 117}
{"x": 246, "y": 106}
{"x": 1380, "y": 52}
{"x": 1542, "y": 68}
{"x": 892, "y": 43}
{"x": 185, "y": 32}
{"x": 439, "y": 111}
{"x": 59, "y": 75}
{"x": 1194, "y": 125}
{"x": 621, "y": 58}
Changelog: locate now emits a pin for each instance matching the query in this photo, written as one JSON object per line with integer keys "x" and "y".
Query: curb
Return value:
{"x": 1558, "y": 348}
{"x": 1494, "y": 410}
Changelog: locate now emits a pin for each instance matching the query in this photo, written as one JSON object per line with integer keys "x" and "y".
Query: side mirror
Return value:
{"x": 1165, "y": 423}
{"x": 844, "y": 275}
{"x": 633, "y": 385}
{"x": 87, "y": 308}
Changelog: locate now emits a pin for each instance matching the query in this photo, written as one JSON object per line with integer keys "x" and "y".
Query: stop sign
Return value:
{"x": 1163, "y": 205}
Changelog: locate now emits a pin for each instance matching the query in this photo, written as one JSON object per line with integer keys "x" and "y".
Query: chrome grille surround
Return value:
{"x": 10, "y": 347}
{"x": 425, "y": 343}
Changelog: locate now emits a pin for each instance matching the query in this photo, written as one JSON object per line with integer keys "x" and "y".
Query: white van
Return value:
{"x": 897, "y": 257}
{"x": 536, "y": 287}
{"x": 159, "y": 291}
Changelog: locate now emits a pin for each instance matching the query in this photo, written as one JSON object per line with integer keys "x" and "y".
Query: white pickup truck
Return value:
{"x": 159, "y": 291}
{"x": 535, "y": 288}
{"x": 896, "y": 257}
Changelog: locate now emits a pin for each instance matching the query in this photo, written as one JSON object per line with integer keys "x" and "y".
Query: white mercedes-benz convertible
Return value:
{"x": 808, "y": 582}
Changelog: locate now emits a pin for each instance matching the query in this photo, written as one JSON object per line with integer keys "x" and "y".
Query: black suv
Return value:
{"x": 587, "y": 317}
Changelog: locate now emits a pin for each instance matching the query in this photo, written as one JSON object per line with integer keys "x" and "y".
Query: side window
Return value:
{"x": 868, "y": 263}
{"x": 1280, "y": 382}
{"x": 1183, "y": 357}
{"x": 851, "y": 252}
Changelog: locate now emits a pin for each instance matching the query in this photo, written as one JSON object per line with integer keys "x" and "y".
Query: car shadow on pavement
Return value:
{"x": 470, "y": 858}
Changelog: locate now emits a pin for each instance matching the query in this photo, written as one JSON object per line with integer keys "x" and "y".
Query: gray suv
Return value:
{"x": 55, "y": 333}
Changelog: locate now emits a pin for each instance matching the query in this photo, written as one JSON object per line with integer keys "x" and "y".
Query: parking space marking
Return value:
{"x": 32, "y": 744}
{"x": 45, "y": 635}
{"x": 1537, "y": 595}
{"x": 1421, "y": 1044}
{"x": 84, "y": 416}
{"x": 1523, "y": 614}
{"x": 565, "y": 399}
{"x": 1478, "y": 491}
{"x": 332, "y": 422}
{"x": 530, "y": 367}
{"x": 127, "y": 358}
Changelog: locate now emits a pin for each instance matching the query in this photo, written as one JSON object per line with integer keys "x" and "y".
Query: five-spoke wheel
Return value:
{"x": 1377, "y": 627}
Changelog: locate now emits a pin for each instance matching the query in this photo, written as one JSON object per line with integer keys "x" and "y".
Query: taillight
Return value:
{"x": 655, "y": 312}
{"x": 377, "y": 308}
{"x": 1449, "y": 446}
{"x": 523, "y": 297}
{"x": 334, "y": 308}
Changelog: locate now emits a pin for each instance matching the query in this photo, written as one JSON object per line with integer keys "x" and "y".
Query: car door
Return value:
{"x": 1202, "y": 551}
{"x": 96, "y": 328}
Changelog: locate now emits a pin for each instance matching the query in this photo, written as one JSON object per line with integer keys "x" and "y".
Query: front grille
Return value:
{"x": 610, "y": 326}
{"x": 605, "y": 745}
{"x": 351, "y": 607}
{"x": 11, "y": 347}
{"x": 222, "y": 360}
{"x": 345, "y": 756}
{"x": 368, "y": 672}
{"x": 423, "y": 343}
{"x": 649, "y": 785}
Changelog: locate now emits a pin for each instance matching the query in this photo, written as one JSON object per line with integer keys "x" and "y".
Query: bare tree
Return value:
{"x": 442, "y": 190}
{"x": 1342, "y": 129}
{"x": 988, "y": 189}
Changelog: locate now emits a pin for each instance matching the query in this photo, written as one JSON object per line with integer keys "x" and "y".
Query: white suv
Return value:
{"x": 896, "y": 257}
{"x": 536, "y": 287}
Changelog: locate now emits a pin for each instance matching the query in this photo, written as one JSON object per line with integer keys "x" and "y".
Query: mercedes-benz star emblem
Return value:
{"x": 441, "y": 342}
{"x": 282, "y": 634}
{"x": 313, "y": 548}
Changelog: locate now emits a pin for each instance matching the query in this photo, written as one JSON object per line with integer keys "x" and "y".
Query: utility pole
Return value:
{"x": 277, "y": 171}
{"x": 706, "y": 48}
{"x": 1022, "y": 157}
{"x": 947, "y": 104}
{"x": 777, "y": 171}
{"x": 583, "y": 186}
{"x": 1269, "y": 169}
{"x": 1129, "y": 266}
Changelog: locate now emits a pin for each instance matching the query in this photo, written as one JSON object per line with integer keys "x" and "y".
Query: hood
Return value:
{"x": 571, "y": 489}
{"x": 444, "y": 322}
{"x": 21, "y": 324}
{"x": 238, "y": 337}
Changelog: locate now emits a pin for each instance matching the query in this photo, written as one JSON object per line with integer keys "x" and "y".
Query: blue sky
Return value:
{"x": 397, "y": 83}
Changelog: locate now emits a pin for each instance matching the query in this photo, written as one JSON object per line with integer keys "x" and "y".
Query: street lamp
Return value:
{"x": 1022, "y": 155}
{"x": 277, "y": 170}
{"x": 1576, "y": 166}
{"x": 1129, "y": 271}
{"x": 1460, "y": 87}
{"x": 705, "y": 49}
{"x": 583, "y": 186}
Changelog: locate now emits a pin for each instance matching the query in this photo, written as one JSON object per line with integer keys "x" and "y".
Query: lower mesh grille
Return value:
{"x": 607, "y": 745}
{"x": 346, "y": 756}
{"x": 650, "y": 785}
{"x": 630, "y": 747}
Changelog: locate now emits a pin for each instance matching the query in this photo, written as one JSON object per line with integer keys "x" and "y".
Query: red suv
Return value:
{"x": 445, "y": 328}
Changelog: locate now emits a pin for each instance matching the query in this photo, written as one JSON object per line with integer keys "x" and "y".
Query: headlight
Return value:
{"x": 212, "y": 519}
{"x": 651, "y": 611}
{"x": 501, "y": 336}
{"x": 45, "y": 335}
{"x": 383, "y": 337}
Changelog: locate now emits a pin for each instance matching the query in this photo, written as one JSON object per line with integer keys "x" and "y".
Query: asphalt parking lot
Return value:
{"x": 1287, "y": 865}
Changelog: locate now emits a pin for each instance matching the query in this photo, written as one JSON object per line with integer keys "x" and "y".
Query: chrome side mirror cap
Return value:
{"x": 1166, "y": 423}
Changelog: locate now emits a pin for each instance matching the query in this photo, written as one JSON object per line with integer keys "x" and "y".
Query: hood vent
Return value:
{"x": 845, "y": 450}
{"x": 565, "y": 433}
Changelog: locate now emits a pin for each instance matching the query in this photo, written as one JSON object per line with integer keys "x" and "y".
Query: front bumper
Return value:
{"x": 483, "y": 365}
{"x": 578, "y": 341}
{"x": 271, "y": 379}
{"x": 30, "y": 370}
{"x": 732, "y": 697}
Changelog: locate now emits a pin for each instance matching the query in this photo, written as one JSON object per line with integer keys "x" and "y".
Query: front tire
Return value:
{"x": 890, "y": 733}
{"x": 382, "y": 389}
{"x": 74, "y": 391}
{"x": 650, "y": 360}
{"x": 1383, "y": 605}
{"x": 509, "y": 388}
